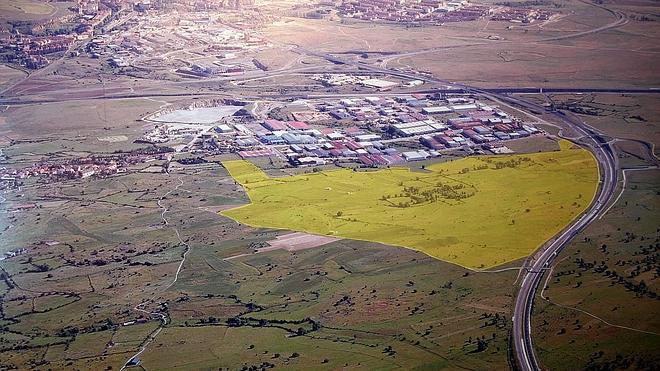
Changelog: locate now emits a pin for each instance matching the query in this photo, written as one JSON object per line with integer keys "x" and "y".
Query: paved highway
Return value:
{"x": 522, "y": 329}
{"x": 27, "y": 99}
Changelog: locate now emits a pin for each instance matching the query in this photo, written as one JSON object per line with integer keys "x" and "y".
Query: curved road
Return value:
{"x": 522, "y": 329}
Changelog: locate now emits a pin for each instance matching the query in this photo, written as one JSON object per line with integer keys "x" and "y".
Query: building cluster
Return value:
{"x": 168, "y": 133}
{"x": 31, "y": 51}
{"x": 302, "y": 144}
{"x": 88, "y": 7}
{"x": 89, "y": 22}
{"x": 78, "y": 168}
{"x": 362, "y": 80}
{"x": 195, "y": 44}
{"x": 480, "y": 126}
{"x": 435, "y": 11}
{"x": 370, "y": 131}
{"x": 191, "y": 5}
{"x": 167, "y": 25}
{"x": 70, "y": 170}
{"x": 522, "y": 15}
{"x": 410, "y": 11}
{"x": 244, "y": 14}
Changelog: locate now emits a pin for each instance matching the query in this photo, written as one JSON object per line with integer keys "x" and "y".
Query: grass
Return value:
{"x": 476, "y": 212}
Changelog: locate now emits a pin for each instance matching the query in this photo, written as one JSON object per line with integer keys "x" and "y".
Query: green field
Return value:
{"x": 477, "y": 212}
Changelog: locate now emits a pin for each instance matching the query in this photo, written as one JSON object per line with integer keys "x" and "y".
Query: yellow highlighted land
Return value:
{"x": 477, "y": 212}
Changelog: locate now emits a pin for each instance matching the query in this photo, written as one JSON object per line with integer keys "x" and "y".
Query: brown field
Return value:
{"x": 543, "y": 65}
{"x": 522, "y": 57}
{"x": 79, "y": 117}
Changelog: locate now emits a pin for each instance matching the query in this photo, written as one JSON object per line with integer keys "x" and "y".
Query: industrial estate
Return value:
{"x": 332, "y": 184}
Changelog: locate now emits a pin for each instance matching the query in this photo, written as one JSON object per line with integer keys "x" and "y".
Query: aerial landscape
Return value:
{"x": 329, "y": 184}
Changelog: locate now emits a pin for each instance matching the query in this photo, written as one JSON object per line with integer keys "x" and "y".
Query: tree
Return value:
{"x": 481, "y": 345}
{"x": 42, "y": 267}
